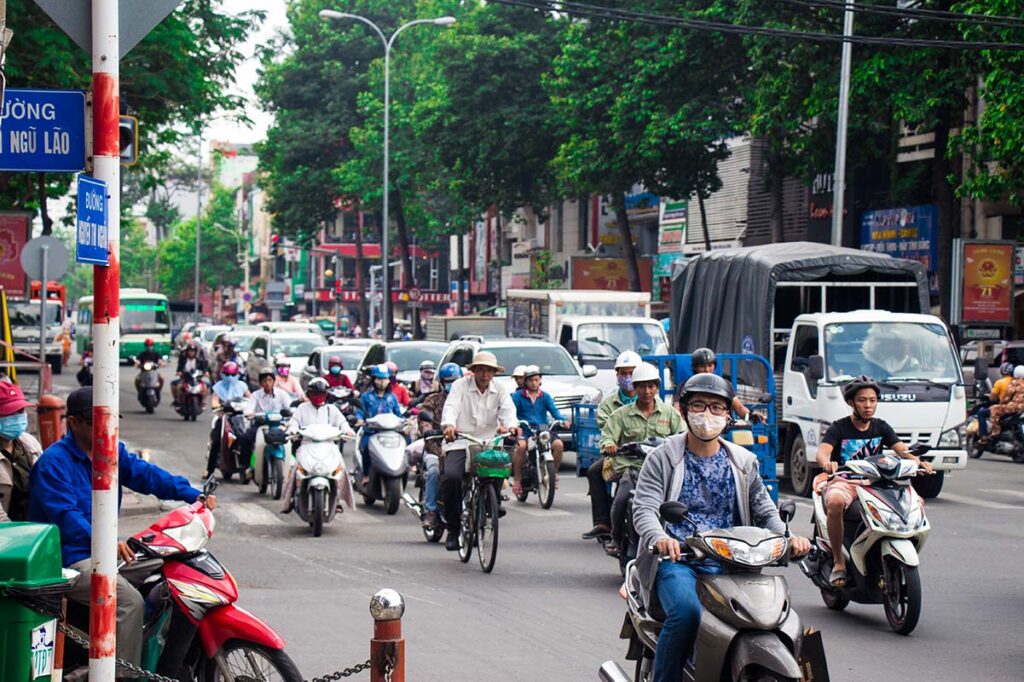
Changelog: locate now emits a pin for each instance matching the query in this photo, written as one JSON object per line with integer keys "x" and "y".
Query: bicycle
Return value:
{"x": 485, "y": 473}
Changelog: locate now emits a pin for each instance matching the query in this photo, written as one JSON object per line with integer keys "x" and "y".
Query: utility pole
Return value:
{"x": 199, "y": 225}
{"x": 839, "y": 178}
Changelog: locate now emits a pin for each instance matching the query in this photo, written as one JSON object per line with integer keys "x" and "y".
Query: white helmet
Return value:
{"x": 519, "y": 371}
{"x": 531, "y": 371}
{"x": 645, "y": 371}
{"x": 1018, "y": 372}
{"x": 627, "y": 359}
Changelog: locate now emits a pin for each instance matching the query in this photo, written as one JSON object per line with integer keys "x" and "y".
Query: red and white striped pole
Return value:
{"x": 106, "y": 339}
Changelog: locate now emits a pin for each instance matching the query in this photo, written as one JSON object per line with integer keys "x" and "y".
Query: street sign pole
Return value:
{"x": 107, "y": 339}
{"x": 44, "y": 256}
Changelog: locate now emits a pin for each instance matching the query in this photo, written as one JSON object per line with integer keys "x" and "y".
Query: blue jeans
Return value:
{"x": 432, "y": 482}
{"x": 984, "y": 414}
{"x": 677, "y": 591}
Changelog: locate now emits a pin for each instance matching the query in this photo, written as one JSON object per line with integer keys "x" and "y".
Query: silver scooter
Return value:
{"x": 748, "y": 629}
{"x": 389, "y": 469}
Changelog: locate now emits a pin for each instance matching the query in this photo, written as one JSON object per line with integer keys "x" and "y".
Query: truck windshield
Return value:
{"x": 605, "y": 340}
{"x": 890, "y": 351}
{"x": 27, "y": 314}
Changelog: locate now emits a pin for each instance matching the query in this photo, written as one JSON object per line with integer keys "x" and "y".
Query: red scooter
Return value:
{"x": 193, "y": 629}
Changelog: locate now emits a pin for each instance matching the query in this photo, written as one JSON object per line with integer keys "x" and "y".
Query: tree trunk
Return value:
{"x": 628, "y": 250}
{"x": 776, "y": 216}
{"x": 364, "y": 309}
{"x": 704, "y": 219}
{"x": 410, "y": 273}
{"x": 44, "y": 214}
{"x": 942, "y": 193}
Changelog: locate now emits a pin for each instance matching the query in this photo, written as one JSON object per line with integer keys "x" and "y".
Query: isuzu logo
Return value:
{"x": 898, "y": 397}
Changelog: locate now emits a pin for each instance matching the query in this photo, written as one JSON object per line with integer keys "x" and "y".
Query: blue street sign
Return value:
{"x": 42, "y": 130}
{"x": 92, "y": 222}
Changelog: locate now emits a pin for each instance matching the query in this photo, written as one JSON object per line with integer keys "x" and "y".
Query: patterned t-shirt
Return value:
{"x": 709, "y": 492}
{"x": 848, "y": 442}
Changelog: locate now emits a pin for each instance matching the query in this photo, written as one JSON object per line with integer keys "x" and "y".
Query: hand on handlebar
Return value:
{"x": 926, "y": 466}
{"x": 449, "y": 433}
{"x": 125, "y": 553}
{"x": 610, "y": 449}
{"x": 669, "y": 548}
{"x": 832, "y": 468}
{"x": 799, "y": 546}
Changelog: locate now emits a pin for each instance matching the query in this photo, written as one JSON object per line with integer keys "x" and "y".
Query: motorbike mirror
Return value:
{"x": 918, "y": 449}
{"x": 787, "y": 510}
{"x": 259, "y": 352}
{"x": 210, "y": 485}
{"x": 673, "y": 512}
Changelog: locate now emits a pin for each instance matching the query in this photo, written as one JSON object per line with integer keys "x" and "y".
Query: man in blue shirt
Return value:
{"x": 534, "y": 407}
{"x": 60, "y": 484}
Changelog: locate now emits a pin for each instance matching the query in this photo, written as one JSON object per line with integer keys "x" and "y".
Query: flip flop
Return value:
{"x": 837, "y": 578}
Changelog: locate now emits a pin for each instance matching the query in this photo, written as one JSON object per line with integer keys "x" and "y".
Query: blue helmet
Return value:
{"x": 449, "y": 372}
{"x": 380, "y": 372}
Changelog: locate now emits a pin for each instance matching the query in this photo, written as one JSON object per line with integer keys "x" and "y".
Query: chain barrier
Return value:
{"x": 124, "y": 665}
{"x": 346, "y": 672}
{"x": 389, "y": 661}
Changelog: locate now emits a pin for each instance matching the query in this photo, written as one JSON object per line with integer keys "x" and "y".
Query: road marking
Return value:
{"x": 1003, "y": 491}
{"x": 975, "y": 502}
{"x": 252, "y": 514}
{"x": 536, "y": 511}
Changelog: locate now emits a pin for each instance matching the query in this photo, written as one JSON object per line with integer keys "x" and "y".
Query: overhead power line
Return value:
{"x": 613, "y": 14}
{"x": 920, "y": 14}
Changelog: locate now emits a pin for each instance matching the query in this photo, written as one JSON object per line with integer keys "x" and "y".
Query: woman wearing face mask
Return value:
{"x": 334, "y": 375}
{"x": 379, "y": 400}
{"x": 285, "y": 381}
{"x": 425, "y": 385}
{"x": 19, "y": 450}
{"x": 720, "y": 484}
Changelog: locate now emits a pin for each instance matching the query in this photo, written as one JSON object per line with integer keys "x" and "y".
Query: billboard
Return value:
{"x": 610, "y": 274}
{"x": 14, "y": 229}
{"x": 987, "y": 283}
{"x": 910, "y": 233}
{"x": 672, "y": 227}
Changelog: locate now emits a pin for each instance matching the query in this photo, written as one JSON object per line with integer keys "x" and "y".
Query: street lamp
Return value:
{"x": 385, "y": 309}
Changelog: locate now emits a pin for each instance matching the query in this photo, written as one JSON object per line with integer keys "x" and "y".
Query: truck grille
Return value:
{"x": 565, "y": 402}
{"x": 911, "y": 437}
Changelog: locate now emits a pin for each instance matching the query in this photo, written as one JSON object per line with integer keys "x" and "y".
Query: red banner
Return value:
{"x": 608, "y": 273}
{"x": 14, "y": 229}
{"x": 988, "y": 283}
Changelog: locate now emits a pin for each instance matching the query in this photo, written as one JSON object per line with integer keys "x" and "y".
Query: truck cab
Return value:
{"x": 914, "y": 360}
{"x": 598, "y": 341}
{"x": 24, "y": 319}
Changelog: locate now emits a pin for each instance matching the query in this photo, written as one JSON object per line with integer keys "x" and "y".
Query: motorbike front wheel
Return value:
{"x": 546, "y": 485}
{"x": 902, "y": 597}
{"x": 487, "y": 528}
{"x": 974, "y": 449}
{"x": 277, "y": 467}
{"x": 392, "y": 495}
{"x": 317, "y": 511}
{"x": 243, "y": 660}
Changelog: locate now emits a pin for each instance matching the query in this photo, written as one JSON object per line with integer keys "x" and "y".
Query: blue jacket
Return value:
{"x": 371, "y": 404}
{"x": 535, "y": 413}
{"x": 60, "y": 491}
{"x": 234, "y": 390}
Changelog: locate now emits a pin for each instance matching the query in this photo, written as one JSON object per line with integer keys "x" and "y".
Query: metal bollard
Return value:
{"x": 387, "y": 648}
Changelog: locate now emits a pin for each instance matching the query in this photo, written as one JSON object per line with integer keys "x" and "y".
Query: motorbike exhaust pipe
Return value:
{"x": 610, "y": 671}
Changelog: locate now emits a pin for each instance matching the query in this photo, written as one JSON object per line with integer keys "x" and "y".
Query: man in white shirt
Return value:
{"x": 269, "y": 398}
{"x": 478, "y": 407}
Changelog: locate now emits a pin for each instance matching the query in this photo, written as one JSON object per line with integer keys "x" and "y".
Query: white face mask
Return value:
{"x": 707, "y": 426}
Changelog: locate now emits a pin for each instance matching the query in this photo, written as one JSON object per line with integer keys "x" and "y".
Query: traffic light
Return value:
{"x": 128, "y": 130}
{"x": 275, "y": 245}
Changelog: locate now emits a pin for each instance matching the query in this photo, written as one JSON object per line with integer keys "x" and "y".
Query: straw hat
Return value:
{"x": 485, "y": 359}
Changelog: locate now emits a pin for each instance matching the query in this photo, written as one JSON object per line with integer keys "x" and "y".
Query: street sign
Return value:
{"x": 415, "y": 294}
{"x": 93, "y": 246}
{"x": 42, "y": 130}
{"x": 56, "y": 257}
{"x": 135, "y": 20}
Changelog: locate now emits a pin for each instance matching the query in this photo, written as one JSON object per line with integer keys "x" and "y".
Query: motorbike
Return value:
{"x": 272, "y": 453}
{"x": 389, "y": 469}
{"x": 193, "y": 629}
{"x": 84, "y": 375}
{"x": 538, "y": 473}
{"x": 345, "y": 400}
{"x": 415, "y": 452}
{"x": 149, "y": 386}
{"x": 232, "y": 425}
{"x": 320, "y": 476}
{"x": 748, "y": 629}
{"x": 193, "y": 392}
{"x": 1010, "y": 440}
{"x": 884, "y": 531}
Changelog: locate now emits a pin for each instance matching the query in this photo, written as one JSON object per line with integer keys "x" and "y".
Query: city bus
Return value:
{"x": 144, "y": 315}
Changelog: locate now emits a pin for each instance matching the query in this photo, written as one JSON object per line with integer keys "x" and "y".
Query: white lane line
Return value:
{"x": 975, "y": 502}
{"x": 537, "y": 511}
{"x": 252, "y": 514}
{"x": 1002, "y": 491}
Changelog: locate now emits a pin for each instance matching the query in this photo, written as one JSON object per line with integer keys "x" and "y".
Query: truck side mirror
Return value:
{"x": 573, "y": 346}
{"x": 816, "y": 367}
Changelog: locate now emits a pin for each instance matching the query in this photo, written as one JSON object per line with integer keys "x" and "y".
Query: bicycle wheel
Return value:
{"x": 487, "y": 527}
{"x": 467, "y": 533}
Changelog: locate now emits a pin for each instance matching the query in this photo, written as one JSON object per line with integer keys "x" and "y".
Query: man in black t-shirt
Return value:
{"x": 858, "y": 436}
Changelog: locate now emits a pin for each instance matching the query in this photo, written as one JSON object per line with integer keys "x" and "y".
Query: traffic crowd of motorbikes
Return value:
{"x": 679, "y": 506}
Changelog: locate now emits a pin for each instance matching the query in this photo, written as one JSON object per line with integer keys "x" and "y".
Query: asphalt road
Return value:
{"x": 551, "y": 610}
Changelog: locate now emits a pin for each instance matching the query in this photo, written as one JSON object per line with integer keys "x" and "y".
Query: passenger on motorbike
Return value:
{"x": 380, "y": 400}
{"x": 1012, "y": 402}
{"x": 433, "y": 405}
{"x": 648, "y": 417}
{"x": 61, "y": 494}
{"x": 703, "y": 361}
{"x": 285, "y": 381}
{"x": 517, "y": 376}
{"x": 625, "y": 394}
{"x": 984, "y": 413}
{"x": 855, "y": 437}
{"x": 534, "y": 407}
{"x": 230, "y": 387}
{"x": 720, "y": 484}
{"x": 227, "y": 353}
{"x": 427, "y": 383}
{"x": 334, "y": 376}
{"x": 400, "y": 391}
{"x": 269, "y": 398}
{"x": 188, "y": 362}
{"x": 149, "y": 355}
{"x": 479, "y": 407}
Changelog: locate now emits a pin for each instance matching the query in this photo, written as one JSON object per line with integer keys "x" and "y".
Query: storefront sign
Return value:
{"x": 672, "y": 227}
{"x": 988, "y": 283}
{"x": 13, "y": 235}
{"x": 610, "y": 274}
{"x": 903, "y": 233}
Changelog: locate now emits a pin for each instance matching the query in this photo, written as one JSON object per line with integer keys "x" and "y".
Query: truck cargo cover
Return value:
{"x": 725, "y": 296}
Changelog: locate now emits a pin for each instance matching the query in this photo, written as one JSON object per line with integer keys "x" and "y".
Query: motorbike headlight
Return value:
{"x": 544, "y": 438}
{"x": 390, "y": 440}
{"x": 320, "y": 469}
{"x": 761, "y": 554}
{"x": 193, "y": 536}
{"x": 950, "y": 439}
{"x": 888, "y": 519}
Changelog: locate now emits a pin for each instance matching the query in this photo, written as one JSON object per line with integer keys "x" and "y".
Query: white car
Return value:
{"x": 353, "y": 356}
{"x": 296, "y": 346}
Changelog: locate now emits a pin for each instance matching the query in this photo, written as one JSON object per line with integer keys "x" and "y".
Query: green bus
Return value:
{"x": 144, "y": 315}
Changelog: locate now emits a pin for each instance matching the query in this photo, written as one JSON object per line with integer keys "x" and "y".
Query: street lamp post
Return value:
{"x": 385, "y": 308}
{"x": 199, "y": 224}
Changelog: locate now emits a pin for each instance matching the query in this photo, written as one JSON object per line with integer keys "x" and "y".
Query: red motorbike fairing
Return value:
{"x": 231, "y": 622}
{"x": 197, "y": 593}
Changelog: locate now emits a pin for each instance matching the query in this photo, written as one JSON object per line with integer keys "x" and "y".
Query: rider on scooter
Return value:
{"x": 335, "y": 377}
{"x": 400, "y": 391}
{"x": 148, "y": 355}
{"x": 269, "y": 398}
{"x": 855, "y": 437}
{"x": 188, "y": 361}
{"x": 433, "y": 405}
{"x": 720, "y": 484}
{"x": 534, "y": 406}
{"x": 984, "y": 412}
{"x": 380, "y": 400}
{"x": 230, "y": 387}
{"x": 285, "y": 381}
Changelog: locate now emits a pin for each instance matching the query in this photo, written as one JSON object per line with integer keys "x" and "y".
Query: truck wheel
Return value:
{"x": 929, "y": 486}
{"x": 801, "y": 472}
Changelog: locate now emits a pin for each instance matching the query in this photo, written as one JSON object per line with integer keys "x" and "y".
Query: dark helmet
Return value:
{"x": 317, "y": 385}
{"x": 702, "y": 357}
{"x": 267, "y": 372}
{"x": 1006, "y": 369}
{"x": 857, "y": 383}
{"x": 711, "y": 384}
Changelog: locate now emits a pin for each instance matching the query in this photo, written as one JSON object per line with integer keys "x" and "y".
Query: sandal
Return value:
{"x": 837, "y": 578}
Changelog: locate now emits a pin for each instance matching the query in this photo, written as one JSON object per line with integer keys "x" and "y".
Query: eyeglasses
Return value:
{"x": 697, "y": 406}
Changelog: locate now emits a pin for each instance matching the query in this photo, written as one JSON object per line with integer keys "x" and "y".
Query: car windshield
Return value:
{"x": 242, "y": 341}
{"x": 605, "y": 340}
{"x": 1014, "y": 355}
{"x": 350, "y": 357}
{"x": 890, "y": 351}
{"x": 551, "y": 360}
{"x": 210, "y": 333}
{"x": 409, "y": 357}
{"x": 27, "y": 314}
{"x": 293, "y": 346}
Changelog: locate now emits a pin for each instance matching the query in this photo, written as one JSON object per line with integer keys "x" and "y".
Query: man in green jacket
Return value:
{"x": 646, "y": 418}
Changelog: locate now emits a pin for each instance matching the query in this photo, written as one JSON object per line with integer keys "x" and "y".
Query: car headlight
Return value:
{"x": 950, "y": 439}
{"x": 761, "y": 554}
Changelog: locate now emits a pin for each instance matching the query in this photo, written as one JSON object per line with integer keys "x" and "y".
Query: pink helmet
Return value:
{"x": 229, "y": 369}
{"x": 392, "y": 368}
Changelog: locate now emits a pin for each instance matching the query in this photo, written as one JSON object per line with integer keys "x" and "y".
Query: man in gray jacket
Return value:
{"x": 720, "y": 484}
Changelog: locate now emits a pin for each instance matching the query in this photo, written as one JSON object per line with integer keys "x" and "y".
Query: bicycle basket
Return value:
{"x": 493, "y": 463}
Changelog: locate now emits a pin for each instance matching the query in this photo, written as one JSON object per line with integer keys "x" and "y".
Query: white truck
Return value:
{"x": 822, "y": 315}
{"x": 24, "y": 318}
{"x": 593, "y": 326}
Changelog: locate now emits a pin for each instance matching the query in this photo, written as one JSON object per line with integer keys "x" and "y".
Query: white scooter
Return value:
{"x": 884, "y": 530}
{"x": 389, "y": 469}
{"x": 320, "y": 476}
{"x": 272, "y": 454}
